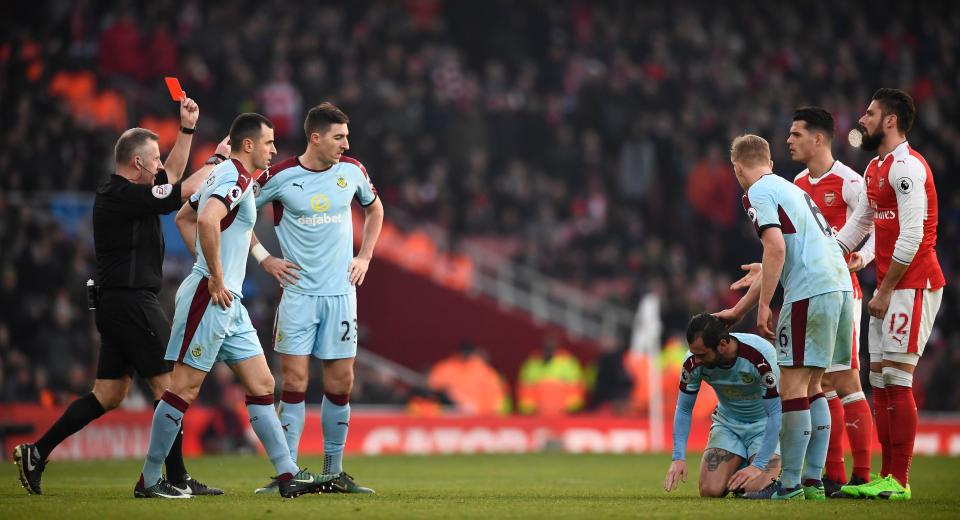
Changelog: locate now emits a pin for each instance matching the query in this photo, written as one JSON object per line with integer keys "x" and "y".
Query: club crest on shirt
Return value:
{"x": 342, "y": 183}
{"x": 881, "y": 182}
{"x": 197, "y": 351}
{"x": 829, "y": 198}
{"x": 747, "y": 378}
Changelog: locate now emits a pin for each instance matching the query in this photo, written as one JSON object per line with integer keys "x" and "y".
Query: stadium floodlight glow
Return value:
{"x": 855, "y": 137}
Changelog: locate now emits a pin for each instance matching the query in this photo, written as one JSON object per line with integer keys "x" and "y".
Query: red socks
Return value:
{"x": 835, "y": 469}
{"x": 882, "y": 416}
{"x": 903, "y": 430}
{"x": 859, "y": 426}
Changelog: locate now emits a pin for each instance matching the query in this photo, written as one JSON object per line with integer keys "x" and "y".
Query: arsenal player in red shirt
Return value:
{"x": 901, "y": 210}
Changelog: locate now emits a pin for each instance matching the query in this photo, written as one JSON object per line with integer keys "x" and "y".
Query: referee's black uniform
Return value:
{"x": 129, "y": 246}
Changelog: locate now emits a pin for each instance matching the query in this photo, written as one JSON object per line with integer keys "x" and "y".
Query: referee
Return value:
{"x": 133, "y": 328}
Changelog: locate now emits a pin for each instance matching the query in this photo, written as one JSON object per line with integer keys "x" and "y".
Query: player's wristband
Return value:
{"x": 188, "y": 131}
{"x": 259, "y": 252}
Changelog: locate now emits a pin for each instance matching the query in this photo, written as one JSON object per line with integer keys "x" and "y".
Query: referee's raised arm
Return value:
{"x": 178, "y": 157}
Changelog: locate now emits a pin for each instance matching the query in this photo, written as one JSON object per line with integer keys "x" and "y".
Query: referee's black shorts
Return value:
{"x": 133, "y": 334}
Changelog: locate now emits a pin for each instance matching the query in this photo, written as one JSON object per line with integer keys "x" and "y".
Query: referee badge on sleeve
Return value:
{"x": 162, "y": 191}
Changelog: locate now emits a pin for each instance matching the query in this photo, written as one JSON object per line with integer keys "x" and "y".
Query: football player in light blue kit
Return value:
{"x": 815, "y": 328}
{"x": 742, "y": 450}
{"x": 210, "y": 323}
{"x": 311, "y": 195}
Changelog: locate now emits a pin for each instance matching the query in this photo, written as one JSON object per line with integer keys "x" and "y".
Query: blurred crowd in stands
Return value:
{"x": 585, "y": 139}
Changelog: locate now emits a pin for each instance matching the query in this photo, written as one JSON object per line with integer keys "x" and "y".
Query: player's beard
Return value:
{"x": 871, "y": 142}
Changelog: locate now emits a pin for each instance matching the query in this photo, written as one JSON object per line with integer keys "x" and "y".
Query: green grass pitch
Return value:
{"x": 477, "y": 486}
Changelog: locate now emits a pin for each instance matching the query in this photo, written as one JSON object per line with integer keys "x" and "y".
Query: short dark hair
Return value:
{"x": 320, "y": 117}
{"x": 899, "y": 103}
{"x": 817, "y": 119}
{"x": 247, "y": 126}
{"x": 708, "y": 327}
{"x": 131, "y": 141}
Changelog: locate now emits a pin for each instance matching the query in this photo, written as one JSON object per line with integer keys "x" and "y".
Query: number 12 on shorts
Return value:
{"x": 903, "y": 318}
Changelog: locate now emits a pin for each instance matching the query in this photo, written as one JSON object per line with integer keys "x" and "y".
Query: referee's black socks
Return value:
{"x": 80, "y": 413}
{"x": 176, "y": 471}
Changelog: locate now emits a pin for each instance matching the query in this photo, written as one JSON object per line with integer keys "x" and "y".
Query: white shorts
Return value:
{"x": 906, "y": 326}
{"x": 855, "y": 347}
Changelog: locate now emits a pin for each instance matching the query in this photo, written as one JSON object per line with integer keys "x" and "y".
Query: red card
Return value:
{"x": 177, "y": 93}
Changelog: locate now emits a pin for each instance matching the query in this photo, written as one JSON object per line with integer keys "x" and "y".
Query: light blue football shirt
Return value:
{"x": 229, "y": 184}
{"x": 814, "y": 263}
{"x": 742, "y": 386}
{"x": 313, "y": 219}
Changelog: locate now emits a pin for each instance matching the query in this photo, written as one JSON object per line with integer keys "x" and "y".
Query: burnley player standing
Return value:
{"x": 901, "y": 209}
{"x": 836, "y": 189}
{"x": 815, "y": 327}
{"x": 317, "y": 316}
{"x": 210, "y": 323}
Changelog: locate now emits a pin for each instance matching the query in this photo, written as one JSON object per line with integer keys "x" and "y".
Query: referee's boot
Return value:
{"x": 31, "y": 466}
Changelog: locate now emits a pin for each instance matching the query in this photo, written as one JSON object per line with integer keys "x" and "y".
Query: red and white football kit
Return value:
{"x": 901, "y": 208}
